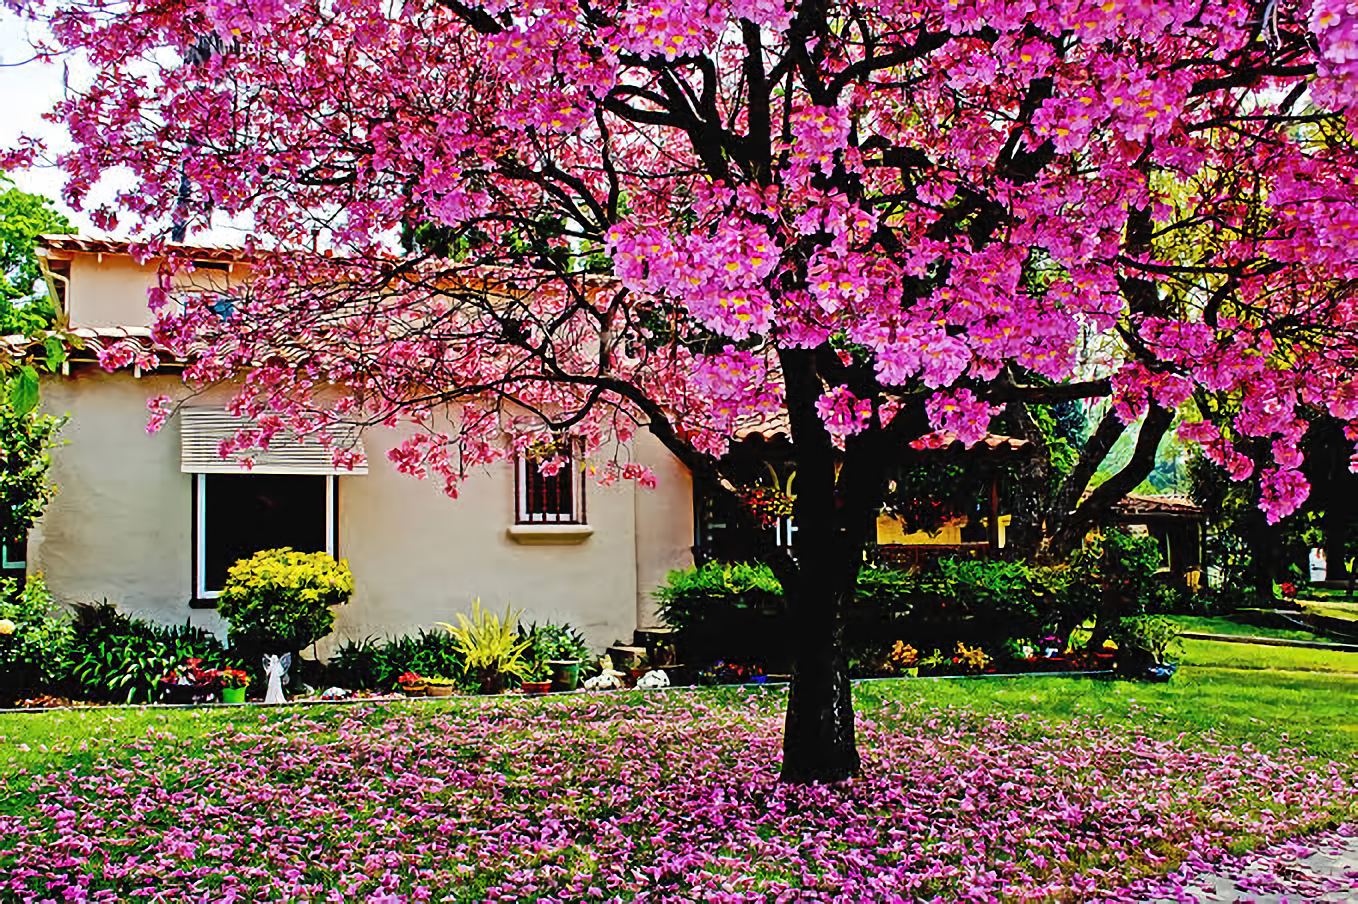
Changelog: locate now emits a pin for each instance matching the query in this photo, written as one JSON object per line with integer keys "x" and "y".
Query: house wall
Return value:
{"x": 120, "y": 527}
{"x": 109, "y": 290}
{"x": 664, "y": 524}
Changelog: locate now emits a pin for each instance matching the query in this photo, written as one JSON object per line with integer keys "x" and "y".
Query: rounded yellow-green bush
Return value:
{"x": 281, "y": 599}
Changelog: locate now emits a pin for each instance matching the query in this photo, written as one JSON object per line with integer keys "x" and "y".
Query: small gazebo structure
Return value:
{"x": 1174, "y": 521}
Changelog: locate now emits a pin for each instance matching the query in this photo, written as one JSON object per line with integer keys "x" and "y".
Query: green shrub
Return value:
{"x": 114, "y": 658}
{"x": 26, "y": 441}
{"x": 555, "y": 643}
{"x": 1147, "y": 640}
{"x": 736, "y": 612}
{"x": 372, "y": 664}
{"x": 33, "y": 637}
{"x": 280, "y": 600}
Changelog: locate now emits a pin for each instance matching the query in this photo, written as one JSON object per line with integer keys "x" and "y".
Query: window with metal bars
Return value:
{"x": 549, "y": 498}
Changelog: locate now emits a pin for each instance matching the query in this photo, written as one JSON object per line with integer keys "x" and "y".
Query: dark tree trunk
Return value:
{"x": 1030, "y": 490}
{"x": 1068, "y": 536}
{"x": 838, "y": 496}
{"x": 819, "y": 743}
{"x": 1336, "y": 541}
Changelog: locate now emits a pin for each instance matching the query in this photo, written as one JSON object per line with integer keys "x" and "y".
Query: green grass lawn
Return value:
{"x": 1239, "y": 627}
{"x": 483, "y": 798}
{"x": 1225, "y": 654}
{"x": 1266, "y": 709}
{"x": 1233, "y": 689}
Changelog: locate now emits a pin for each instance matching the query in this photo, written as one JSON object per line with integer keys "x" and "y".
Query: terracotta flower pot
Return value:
{"x": 439, "y": 690}
{"x": 413, "y": 690}
{"x": 537, "y": 687}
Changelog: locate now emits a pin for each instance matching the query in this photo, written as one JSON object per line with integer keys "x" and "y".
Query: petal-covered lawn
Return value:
{"x": 666, "y": 797}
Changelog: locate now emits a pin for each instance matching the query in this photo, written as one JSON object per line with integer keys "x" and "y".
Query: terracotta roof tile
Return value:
{"x": 77, "y": 244}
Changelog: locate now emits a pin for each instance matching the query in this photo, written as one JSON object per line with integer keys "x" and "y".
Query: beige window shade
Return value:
{"x": 203, "y": 430}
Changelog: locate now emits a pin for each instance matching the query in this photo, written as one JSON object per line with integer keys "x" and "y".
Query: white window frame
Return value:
{"x": 577, "y": 513}
{"x": 200, "y": 590}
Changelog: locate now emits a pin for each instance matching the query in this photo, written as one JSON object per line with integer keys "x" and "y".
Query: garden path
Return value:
{"x": 1321, "y": 868}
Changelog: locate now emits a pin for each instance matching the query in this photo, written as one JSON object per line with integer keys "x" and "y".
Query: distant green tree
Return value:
{"x": 26, "y": 439}
{"x": 23, "y": 217}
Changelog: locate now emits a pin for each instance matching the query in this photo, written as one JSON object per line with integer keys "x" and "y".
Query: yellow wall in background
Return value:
{"x": 891, "y": 532}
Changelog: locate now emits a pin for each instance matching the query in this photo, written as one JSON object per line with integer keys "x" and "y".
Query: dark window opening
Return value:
{"x": 245, "y": 513}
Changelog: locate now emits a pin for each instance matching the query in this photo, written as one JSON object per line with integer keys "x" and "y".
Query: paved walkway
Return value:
{"x": 1320, "y": 868}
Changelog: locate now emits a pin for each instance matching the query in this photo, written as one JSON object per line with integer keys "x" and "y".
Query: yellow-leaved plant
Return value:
{"x": 279, "y": 600}
{"x": 490, "y": 646}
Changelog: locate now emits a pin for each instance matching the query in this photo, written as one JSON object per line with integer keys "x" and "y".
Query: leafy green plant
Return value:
{"x": 556, "y": 643}
{"x": 26, "y": 441}
{"x": 1148, "y": 640}
{"x": 33, "y": 637}
{"x": 375, "y": 664}
{"x": 281, "y": 600}
{"x": 115, "y": 658}
{"x": 490, "y": 646}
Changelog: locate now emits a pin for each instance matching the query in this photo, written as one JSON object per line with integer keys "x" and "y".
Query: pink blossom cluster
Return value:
{"x": 844, "y": 414}
{"x": 719, "y": 277}
{"x": 961, "y": 189}
{"x": 1335, "y": 25}
{"x": 962, "y": 414}
{"x": 738, "y": 387}
{"x": 242, "y": 17}
{"x": 671, "y": 29}
{"x": 656, "y": 799}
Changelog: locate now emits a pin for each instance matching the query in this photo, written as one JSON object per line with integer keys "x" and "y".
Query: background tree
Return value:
{"x": 25, "y": 304}
{"x": 879, "y": 219}
{"x": 26, "y": 440}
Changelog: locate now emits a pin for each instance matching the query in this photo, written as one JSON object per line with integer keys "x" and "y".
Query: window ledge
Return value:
{"x": 549, "y": 534}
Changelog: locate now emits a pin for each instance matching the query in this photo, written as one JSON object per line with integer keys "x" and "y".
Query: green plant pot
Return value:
{"x": 565, "y": 674}
{"x": 233, "y": 695}
{"x": 912, "y": 672}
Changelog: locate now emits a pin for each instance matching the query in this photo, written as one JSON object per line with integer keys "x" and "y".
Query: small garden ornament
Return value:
{"x": 275, "y": 671}
{"x": 653, "y": 679}
{"x": 608, "y": 678}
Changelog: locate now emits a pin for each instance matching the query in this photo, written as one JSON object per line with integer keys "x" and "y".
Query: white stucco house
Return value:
{"x": 151, "y": 521}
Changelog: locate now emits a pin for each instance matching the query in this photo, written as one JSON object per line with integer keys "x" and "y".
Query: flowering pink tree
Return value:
{"x": 590, "y": 217}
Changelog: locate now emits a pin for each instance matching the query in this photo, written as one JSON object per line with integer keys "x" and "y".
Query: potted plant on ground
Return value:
{"x": 281, "y": 601}
{"x": 191, "y": 683}
{"x": 971, "y": 660}
{"x": 492, "y": 650}
{"x": 539, "y": 680}
{"x": 234, "y": 683}
{"x": 439, "y": 686}
{"x": 411, "y": 684}
{"x": 562, "y": 649}
{"x": 1148, "y": 647}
